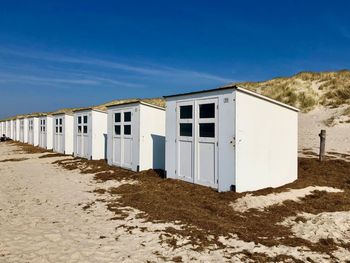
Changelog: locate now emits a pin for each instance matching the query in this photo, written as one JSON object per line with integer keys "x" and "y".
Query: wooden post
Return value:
{"x": 322, "y": 145}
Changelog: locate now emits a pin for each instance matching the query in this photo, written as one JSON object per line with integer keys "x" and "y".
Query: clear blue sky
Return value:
{"x": 56, "y": 54}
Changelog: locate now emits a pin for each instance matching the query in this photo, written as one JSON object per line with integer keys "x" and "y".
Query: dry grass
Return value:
{"x": 203, "y": 211}
{"x": 306, "y": 90}
{"x": 28, "y": 148}
{"x": 13, "y": 160}
{"x": 52, "y": 155}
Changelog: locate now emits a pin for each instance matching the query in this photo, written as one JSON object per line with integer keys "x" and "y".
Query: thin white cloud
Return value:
{"x": 157, "y": 70}
{"x": 18, "y": 78}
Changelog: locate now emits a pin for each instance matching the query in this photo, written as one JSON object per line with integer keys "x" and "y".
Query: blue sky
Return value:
{"x": 56, "y": 54}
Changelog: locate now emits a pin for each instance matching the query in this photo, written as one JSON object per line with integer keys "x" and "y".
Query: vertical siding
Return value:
{"x": 152, "y": 138}
{"x": 98, "y": 133}
{"x": 266, "y": 144}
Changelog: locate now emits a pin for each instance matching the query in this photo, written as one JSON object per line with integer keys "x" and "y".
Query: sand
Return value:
{"x": 334, "y": 225}
{"x": 310, "y": 125}
{"x": 260, "y": 202}
{"x": 42, "y": 220}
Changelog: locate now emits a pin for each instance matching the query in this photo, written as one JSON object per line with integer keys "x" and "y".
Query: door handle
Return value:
{"x": 233, "y": 141}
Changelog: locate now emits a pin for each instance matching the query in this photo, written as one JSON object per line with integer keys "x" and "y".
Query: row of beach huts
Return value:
{"x": 227, "y": 138}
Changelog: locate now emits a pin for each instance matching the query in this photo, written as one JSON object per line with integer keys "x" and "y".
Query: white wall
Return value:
{"x": 17, "y": 121}
{"x": 152, "y": 138}
{"x": 99, "y": 135}
{"x": 68, "y": 133}
{"x": 266, "y": 143}
{"x": 25, "y": 130}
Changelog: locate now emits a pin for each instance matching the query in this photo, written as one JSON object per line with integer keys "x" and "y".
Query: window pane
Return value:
{"x": 117, "y": 129}
{"x": 57, "y": 121}
{"x": 79, "y": 120}
{"x": 127, "y": 129}
{"x": 207, "y": 111}
{"x": 85, "y": 129}
{"x": 79, "y": 129}
{"x": 127, "y": 116}
{"x": 57, "y": 130}
{"x": 44, "y": 122}
{"x": 186, "y": 129}
{"x": 85, "y": 119}
{"x": 117, "y": 117}
{"x": 43, "y": 128}
{"x": 61, "y": 121}
{"x": 186, "y": 112}
{"x": 207, "y": 130}
{"x": 61, "y": 129}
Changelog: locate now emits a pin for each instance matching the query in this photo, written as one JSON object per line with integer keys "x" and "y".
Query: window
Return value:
{"x": 61, "y": 121}
{"x": 117, "y": 117}
{"x": 79, "y": 129}
{"x": 56, "y": 129}
{"x": 127, "y": 129}
{"x": 117, "y": 129}
{"x": 57, "y": 121}
{"x": 43, "y": 128}
{"x": 186, "y": 112}
{"x": 127, "y": 116}
{"x": 60, "y": 129}
{"x": 85, "y": 129}
{"x": 186, "y": 129}
{"x": 207, "y": 130}
{"x": 207, "y": 111}
{"x": 85, "y": 119}
{"x": 44, "y": 122}
{"x": 79, "y": 120}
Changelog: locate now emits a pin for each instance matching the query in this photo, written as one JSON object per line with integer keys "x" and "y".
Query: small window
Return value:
{"x": 43, "y": 128}
{"x": 207, "y": 130}
{"x": 85, "y": 129}
{"x": 56, "y": 121}
{"x": 60, "y": 121}
{"x": 79, "y": 120}
{"x": 127, "y": 129}
{"x": 207, "y": 111}
{"x": 127, "y": 116}
{"x": 186, "y": 129}
{"x": 85, "y": 119}
{"x": 117, "y": 117}
{"x": 186, "y": 112}
{"x": 44, "y": 122}
{"x": 56, "y": 129}
{"x": 117, "y": 129}
{"x": 79, "y": 129}
{"x": 61, "y": 129}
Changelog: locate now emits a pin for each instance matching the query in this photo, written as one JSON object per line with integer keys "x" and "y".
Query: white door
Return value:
{"x": 122, "y": 138}
{"x": 58, "y": 137}
{"x": 83, "y": 136}
{"x": 42, "y": 135}
{"x": 207, "y": 142}
{"x": 30, "y": 132}
{"x": 185, "y": 141}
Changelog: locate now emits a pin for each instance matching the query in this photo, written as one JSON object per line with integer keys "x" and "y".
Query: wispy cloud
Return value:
{"x": 19, "y": 78}
{"x": 154, "y": 70}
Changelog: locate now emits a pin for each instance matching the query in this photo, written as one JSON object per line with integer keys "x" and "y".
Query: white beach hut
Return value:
{"x": 8, "y": 129}
{"x": 231, "y": 139}
{"x": 136, "y": 134}
{"x": 33, "y": 130}
{"x": 16, "y": 129}
{"x": 90, "y": 133}
{"x": 1, "y": 128}
{"x": 23, "y": 129}
{"x": 63, "y": 122}
{"x": 45, "y": 131}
